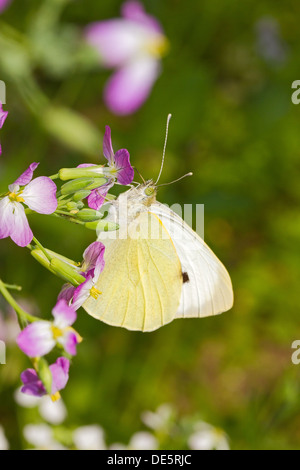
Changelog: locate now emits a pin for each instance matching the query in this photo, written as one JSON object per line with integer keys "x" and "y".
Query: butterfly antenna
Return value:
{"x": 139, "y": 174}
{"x": 165, "y": 146}
{"x": 175, "y": 181}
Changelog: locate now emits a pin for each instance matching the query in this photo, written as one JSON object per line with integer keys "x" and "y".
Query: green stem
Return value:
{"x": 42, "y": 249}
{"x": 12, "y": 287}
{"x": 23, "y": 316}
{"x": 54, "y": 177}
{"x": 59, "y": 213}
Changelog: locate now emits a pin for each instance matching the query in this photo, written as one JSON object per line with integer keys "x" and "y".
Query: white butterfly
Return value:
{"x": 157, "y": 268}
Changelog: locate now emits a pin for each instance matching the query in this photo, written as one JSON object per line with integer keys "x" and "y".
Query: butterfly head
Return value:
{"x": 147, "y": 192}
{"x": 149, "y": 189}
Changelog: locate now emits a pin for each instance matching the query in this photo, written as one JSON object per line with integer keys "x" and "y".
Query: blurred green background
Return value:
{"x": 227, "y": 81}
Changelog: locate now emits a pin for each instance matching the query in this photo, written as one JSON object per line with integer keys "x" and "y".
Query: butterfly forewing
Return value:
{"x": 142, "y": 280}
{"x": 207, "y": 288}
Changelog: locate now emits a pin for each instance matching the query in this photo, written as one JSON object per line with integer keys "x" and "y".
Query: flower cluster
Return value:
{"x": 91, "y": 268}
{"x": 133, "y": 45}
{"x": 167, "y": 430}
{"x": 38, "y": 194}
{"x": 119, "y": 169}
{"x": 89, "y": 183}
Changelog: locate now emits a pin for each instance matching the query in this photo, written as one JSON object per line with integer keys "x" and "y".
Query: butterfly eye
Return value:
{"x": 149, "y": 191}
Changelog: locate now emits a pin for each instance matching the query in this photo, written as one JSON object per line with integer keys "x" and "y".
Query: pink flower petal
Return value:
{"x": 40, "y": 195}
{"x": 66, "y": 293}
{"x": 3, "y": 114}
{"x": 36, "y": 339}
{"x": 100, "y": 265}
{"x": 91, "y": 255}
{"x": 117, "y": 41}
{"x": 6, "y": 217}
{"x": 97, "y": 197}
{"x": 32, "y": 383}
{"x": 125, "y": 170}
{"x": 4, "y": 4}
{"x": 94, "y": 262}
{"x": 133, "y": 10}
{"x": 60, "y": 374}
{"x": 69, "y": 342}
{"x": 130, "y": 86}
{"x": 82, "y": 293}
{"x": 20, "y": 231}
{"x": 86, "y": 165}
{"x": 27, "y": 176}
{"x": 108, "y": 151}
{"x": 64, "y": 314}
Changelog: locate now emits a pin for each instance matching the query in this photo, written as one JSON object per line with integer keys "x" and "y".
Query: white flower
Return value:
{"x": 89, "y": 438}
{"x": 24, "y": 400}
{"x": 159, "y": 419}
{"x": 54, "y": 412}
{"x": 4, "y": 445}
{"x": 206, "y": 437}
{"x": 117, "y": 446}
{"x": 41, "y": 437}
{"x": 143, "y": 441}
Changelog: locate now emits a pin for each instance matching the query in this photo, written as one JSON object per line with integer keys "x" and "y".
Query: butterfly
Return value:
{"x": 157, "y": 268}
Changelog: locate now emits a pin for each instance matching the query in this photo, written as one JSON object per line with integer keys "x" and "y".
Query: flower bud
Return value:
{"x": 76, "y": 185}
{"x": 71, "y": 206}
{"x": 44, "y": 373}
{"x": 86, "y": 172}
{"x": 97, "y": 183}
{"x": 88, "y": 215}
{"x": 44, "y": 261}
{"x": 81, "y": 195}
{"x": 66, "y": 271}
{"x": 61, "y": 266}
{"x": 101, "y": 226}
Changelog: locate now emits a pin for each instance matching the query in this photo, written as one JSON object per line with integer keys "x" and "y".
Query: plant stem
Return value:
{"x": 12, "y": 287}
{"x": 67, "y": 216}
{"x": 42, "y": 249}
{"x": 23, "y": 316}
{"x": 54, "y": 177}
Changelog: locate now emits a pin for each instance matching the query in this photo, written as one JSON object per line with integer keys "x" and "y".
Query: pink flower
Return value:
{"x": 4, "y": 4}
{"x": 32, "y": 384}
{"x": 40, "y": 337}
{"x": 133, "y": 45}
{"x": 119, "y": 168}
{"x": 3, "y": 114}
{"x": 39, "y": 195}
{"x": 92, "y": 266}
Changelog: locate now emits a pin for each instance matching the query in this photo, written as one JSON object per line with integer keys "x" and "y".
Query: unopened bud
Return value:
{"x": 71, "y": 206}
{"x": 97, "y": 183}
{"x": 85, "y": 172}
{"x": 44, "y": 261}
{"x": 101, "y": 226}
{"x": 44, "y": 373}
{"x": 66, "y": 272}
{"x": 81, "y": 195}
{"x": 88, "y": 215}
{"x": 76, "y": 185}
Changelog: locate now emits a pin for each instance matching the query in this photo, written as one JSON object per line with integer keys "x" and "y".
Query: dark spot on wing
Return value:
{"x": 185, "y": 277}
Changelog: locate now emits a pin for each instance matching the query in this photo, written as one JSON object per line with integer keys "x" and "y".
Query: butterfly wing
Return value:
{"x": 207, "y": 288}
{"x": 141, "y": 282}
